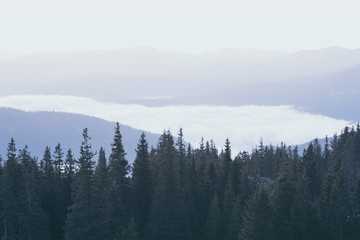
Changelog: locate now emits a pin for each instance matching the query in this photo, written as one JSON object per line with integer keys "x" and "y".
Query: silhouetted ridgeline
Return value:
{"x": 41, "y": 129}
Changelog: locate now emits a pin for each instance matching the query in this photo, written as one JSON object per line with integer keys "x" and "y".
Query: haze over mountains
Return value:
{"x": 241, "y": 94}
{"x": 40, "y": 129}
{"x": 324, "y": 81}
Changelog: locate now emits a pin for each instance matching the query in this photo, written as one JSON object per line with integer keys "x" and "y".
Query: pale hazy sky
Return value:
{"x": 180, "y": 25}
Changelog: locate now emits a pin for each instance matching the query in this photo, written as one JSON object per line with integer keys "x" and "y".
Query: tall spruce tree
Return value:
{"x": 141, "y": 185}
{"x": 213, "y": 226}
{"x": 11, "y": 195}
{"x": 80, "y": 219}
{"x": 119, "y": 189}
{"x": 305, "y": 224}
{"x": 33, "y": 222}
{"x": 225, "y": 171}
{"x": 100, "y": 207}
{"x": 168, "y": 217}
{"x": 60, "y": 209}
{"x": 49, "y": 194}
{"x": 256, "y": 220}
{"x": 69, "y": 173}
{"x": 283, "y": 197}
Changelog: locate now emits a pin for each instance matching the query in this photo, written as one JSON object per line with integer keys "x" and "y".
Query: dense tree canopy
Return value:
{"x": 174, "y": 191}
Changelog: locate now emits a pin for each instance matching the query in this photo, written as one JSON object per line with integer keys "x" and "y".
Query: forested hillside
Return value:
{"x": 179, "y": 192}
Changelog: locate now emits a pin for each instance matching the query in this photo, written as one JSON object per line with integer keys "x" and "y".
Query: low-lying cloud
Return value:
{"x": 243, "y": 125}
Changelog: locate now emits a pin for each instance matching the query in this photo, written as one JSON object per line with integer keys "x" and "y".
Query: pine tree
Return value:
{"x": 100, "y": 207}
{"x": 80, "y": 219}
{"x": 11, "y": 194}
{"x": 141, "y": 184}
{"x": 228, "y": 208}
{"x": 256, "y": 221}
{"x": 183, "y": 165}
{"x": 213, "y": 226}
{"x": 311, "y": 158}
{"x": 33, "y": 221}
{"x": 225, "y": 171}
{"x": 168, "y": 215}
{"x": 49, "y": 194}
{"x": 283, "y": 197}
{"x": 118, "y": 191}
{"x": 325, "y": 211}
{"x": 69, "y": 173}
{"x": 305, "y": 223}
{"x": 60, "y": 207}
{"x": 354, "y": 221}
{"x": 58, "y": 161}
{"x": 235, "y": 220}
{"x": 202, "y": 190}
{"x": 339, "y": 203}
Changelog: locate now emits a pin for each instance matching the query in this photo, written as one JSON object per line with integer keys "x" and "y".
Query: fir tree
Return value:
{"x": 33, "y": 221}
{"x": 168, "y": 217}
{"x": 58, "y": 160}
{"x": 283, "y": 197}
{"x": 256, "y": 221}
{"x": 49, "y": 194}
{"x": 118, "y": 192}
{"x": 141, "y": 184}
{"x": 304, "y": 212}
{"x": 100, "y": 207}
{"x": 80, "y": 219}
{"x": 213, "y": 226}
{"x": 11, "y": 194}
{"x": 69, "y": 173}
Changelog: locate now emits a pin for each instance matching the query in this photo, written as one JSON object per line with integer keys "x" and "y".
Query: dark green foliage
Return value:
{"x": 235, "y": 220}
{"x": 168, "y": 217}
{"x": 22, "y": 214}
{"x": 173, "y": 193}
{"x": 99, "y": 206}
{"x": 256, "y": 220}
{"x": 68, "y": 177}
{"x": 225, "y": 171}
{"x": 33, "y": 221}
{"x": 141, "y": 184}
{"x": 118, "y": 194}
{"x": 11, "y": 194}
{"x": 80, "y": 222}
{"x": 58, "y": 161}
{"x": 304, "y": 212}
{"x": 283, "y": 197}
{"x": 213, "y": 226}
{"x": 130, "y": 232}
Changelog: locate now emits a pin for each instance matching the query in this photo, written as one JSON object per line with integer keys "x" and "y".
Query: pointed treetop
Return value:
{"x": 227, "y": 153}
{"x": 11, "y": 150}
{"x": 86, "y": 154}
{"x": 117, "y": 150}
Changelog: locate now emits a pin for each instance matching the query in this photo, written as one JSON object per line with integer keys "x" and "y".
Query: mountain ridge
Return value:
{"x": 41, "y": 128}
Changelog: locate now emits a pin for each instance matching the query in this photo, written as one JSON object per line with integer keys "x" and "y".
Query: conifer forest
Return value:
{"x": 177, "y": 191}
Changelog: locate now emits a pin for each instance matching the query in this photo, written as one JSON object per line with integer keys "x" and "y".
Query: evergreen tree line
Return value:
{"x": 173, "y": 191}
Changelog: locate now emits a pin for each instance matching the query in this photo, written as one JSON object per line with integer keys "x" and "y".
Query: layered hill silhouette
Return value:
{"x": 324, "y": 81}
{"x": 41, "y": 129}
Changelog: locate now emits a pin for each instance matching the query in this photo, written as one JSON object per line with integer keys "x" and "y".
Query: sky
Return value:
{"x": 179, "y": 25}
{"x": 244, "y": 125}
{"x": 190, "y": 26}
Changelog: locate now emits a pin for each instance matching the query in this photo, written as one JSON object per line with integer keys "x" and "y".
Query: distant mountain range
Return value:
{"x": 325, "y": 81}
{"x": 41, "y": 129}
